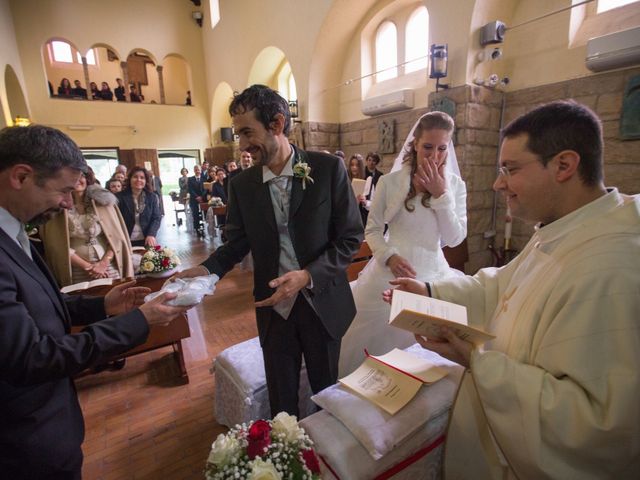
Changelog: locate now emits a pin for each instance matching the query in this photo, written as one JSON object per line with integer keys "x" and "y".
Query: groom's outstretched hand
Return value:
{"x": 198, "y": 271}
{"x": 287, "y": 286}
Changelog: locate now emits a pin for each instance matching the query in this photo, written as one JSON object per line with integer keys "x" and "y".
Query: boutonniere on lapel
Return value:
{"x": 303, "y": 170}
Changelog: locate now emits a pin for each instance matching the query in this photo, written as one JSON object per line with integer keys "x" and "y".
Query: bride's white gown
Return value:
{"x": 417, "y": 236}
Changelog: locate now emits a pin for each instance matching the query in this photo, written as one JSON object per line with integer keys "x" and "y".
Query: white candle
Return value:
{"x": 507, "y": 230}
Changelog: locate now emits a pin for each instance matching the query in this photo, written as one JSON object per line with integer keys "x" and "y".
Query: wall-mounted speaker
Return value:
{"x": 226, "y": 134}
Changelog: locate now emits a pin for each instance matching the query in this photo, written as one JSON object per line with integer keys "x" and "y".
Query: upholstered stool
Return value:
{"x": 241, "y": 388}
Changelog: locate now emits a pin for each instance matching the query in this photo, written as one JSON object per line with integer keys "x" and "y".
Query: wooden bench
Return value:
{"x": 457, "y": 256}
{"x": 360, "y": 260}
{"x": 159, "y": 335}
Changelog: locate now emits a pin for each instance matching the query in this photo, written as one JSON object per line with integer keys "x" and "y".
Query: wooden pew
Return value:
{"x": 360, "y": 259}
{"x": 159, "y": 335}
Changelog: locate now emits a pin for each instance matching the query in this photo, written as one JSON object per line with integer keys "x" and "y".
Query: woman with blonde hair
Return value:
{"x": 423, "y": 202}
{"x": 90, "y": 240}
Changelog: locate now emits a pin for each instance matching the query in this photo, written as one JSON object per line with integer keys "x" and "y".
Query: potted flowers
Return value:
{"x": 264, "y": 450}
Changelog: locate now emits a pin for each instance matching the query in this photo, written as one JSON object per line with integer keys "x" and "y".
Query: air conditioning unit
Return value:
{"x": 615, "y": 50}
{"x": 389, "y": 102}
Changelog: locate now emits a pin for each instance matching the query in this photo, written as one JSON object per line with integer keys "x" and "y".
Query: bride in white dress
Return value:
{"x": 423, "y": 202}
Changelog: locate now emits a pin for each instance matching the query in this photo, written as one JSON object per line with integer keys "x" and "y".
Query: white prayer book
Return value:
{"x": 358, "y": 186}
{"x": 425, "y": 316}
{"x": 392, "y": 380}
{"x": 85, "y": 285}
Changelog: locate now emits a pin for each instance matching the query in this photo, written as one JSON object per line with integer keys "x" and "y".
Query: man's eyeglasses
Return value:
{"x": 506, "y": 172}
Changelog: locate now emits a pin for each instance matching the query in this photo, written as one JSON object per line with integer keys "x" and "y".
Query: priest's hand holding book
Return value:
{"x": 448, "y": 334}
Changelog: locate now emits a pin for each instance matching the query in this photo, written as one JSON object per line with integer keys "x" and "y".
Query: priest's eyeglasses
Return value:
{"x": 506, "y": 171}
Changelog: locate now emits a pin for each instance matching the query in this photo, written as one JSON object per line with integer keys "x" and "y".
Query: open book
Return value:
{"x": 392, "y": 380}
{"x": 358, "y": 186}
{"x": 425, "y": 315}
{"x": 84, "y": 285}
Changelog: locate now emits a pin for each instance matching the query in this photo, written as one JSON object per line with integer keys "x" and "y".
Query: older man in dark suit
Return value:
{"x": 295, "y": 211}
{"x": 41, "y": 425}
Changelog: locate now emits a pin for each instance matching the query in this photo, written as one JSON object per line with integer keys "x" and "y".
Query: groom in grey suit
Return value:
{"x": 296, "y": 213}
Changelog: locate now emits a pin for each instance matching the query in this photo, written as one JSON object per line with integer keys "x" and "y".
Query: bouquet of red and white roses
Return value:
{"x": 158, "y": 259}
{"x": 264, "y": 450}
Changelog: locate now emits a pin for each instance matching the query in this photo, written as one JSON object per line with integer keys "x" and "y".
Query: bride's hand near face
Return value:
{"x": 429, "y": 177}
{"x": 400, "y": 267}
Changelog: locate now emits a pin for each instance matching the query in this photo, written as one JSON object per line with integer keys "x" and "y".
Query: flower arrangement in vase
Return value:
{"x": 264, "y": 450}
{"x": 158, "y": 261}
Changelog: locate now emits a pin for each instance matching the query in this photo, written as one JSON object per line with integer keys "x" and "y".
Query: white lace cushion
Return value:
{"x": 375, "y": 429}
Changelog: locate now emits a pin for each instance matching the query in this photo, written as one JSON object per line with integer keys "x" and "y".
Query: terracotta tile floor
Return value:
{"x": 141, "y": 422}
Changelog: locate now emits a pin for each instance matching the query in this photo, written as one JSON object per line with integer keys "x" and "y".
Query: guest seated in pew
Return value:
{"x": 218, "y": 190}
{"x": 140, "y": 208}
{"x": 555, "y": 394}
{"x": 424, "y": 205}
{"x": 90, "y": 239}
{"x": 42, "y": 427}
{"x": 114, "y": 185}
{"x": 217, "y": 184}
{"x": 245, "y": 160}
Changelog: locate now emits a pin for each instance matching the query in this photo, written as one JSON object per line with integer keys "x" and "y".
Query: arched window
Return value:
{"x": 62, "y": 52}
{"x": 417, "y": 40}
{"x": 386, "y": 51}
{"x": 293, "y": 94}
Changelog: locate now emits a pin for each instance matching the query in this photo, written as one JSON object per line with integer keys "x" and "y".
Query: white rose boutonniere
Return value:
{"x": 303, "y": 170}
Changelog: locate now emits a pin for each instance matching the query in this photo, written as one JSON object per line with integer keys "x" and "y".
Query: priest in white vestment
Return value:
{"x": 557, "y": 393}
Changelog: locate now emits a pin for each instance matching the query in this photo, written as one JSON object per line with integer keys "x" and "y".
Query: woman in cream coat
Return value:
{"x": 89, "y": 241}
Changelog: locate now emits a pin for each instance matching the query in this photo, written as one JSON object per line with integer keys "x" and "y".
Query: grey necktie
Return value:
{"x": 287, "y": 260}
{"x": 23, "y": 240}
{"x": 282, "y": 198}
